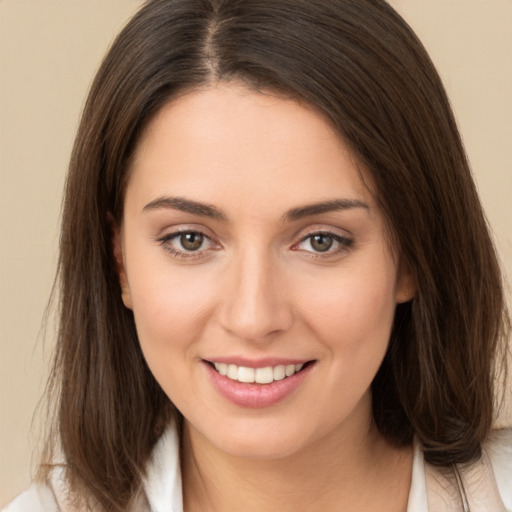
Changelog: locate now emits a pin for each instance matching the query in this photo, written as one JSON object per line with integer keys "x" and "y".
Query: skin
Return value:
{"x": 258, "y": 287}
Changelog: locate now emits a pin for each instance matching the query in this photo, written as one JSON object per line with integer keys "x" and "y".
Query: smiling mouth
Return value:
{"x": 265, "y": 375}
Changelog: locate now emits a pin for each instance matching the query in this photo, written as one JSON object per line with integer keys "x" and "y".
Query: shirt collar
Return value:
{"x": 162, "y": 483}
{"x": 418, "y": 491}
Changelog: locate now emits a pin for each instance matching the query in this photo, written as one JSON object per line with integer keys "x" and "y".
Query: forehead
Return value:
{"x": 228, "y": 141}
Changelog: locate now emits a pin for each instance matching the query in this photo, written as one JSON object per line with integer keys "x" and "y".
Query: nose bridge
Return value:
{"x": 255, "y": 306}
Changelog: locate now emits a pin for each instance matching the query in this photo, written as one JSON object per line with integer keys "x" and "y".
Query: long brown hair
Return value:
{"x": 360, "y": 64}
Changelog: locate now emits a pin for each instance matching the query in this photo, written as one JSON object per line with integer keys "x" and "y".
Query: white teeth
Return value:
{"x": 245, "y": 374}
{"x": 221, "y": 368}
{"x": 280, "y": 372}
{"x": 232, "y": 372}
{"x": 264, "y": 375}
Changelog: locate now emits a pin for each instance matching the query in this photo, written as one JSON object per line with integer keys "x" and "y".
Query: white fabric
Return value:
{"x": 418, "y": 491}
{"x": 163, "y": 480}
{"x": 37, "y": 498}
{"x": 499, "y": 449}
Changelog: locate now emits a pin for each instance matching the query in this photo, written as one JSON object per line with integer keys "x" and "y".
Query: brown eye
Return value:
{"x": 324, "y": 245}
{"x": 191, "y": 241}
{"x": 321, "y": 243}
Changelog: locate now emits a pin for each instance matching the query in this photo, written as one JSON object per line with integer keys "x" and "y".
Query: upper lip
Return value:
{"x": 257, "y": 363}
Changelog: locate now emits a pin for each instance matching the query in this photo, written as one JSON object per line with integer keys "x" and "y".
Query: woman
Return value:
{"x": 277, "y": 284}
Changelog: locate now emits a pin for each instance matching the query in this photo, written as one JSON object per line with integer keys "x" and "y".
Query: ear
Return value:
{"x": 118, "y": 252}
{"x": 406, "y": 286}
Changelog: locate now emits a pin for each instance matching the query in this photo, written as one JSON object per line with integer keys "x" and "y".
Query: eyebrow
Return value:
{"x": 323, "y": 207}
{"x": 208, "y": 210}
{"x": 186, "y": 205}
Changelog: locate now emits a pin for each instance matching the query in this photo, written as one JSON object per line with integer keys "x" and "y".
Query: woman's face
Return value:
{"x": 250, "y": 245}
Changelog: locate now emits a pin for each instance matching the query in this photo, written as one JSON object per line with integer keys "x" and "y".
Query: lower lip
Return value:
{"x": 256, "y": 395}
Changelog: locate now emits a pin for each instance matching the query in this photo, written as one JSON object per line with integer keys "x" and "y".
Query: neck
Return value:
{"x": 351, "y": 468}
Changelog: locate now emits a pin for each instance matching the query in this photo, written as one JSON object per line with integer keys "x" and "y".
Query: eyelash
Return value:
{"x": 167, "y": 239}
{"x": 344, "y": 244}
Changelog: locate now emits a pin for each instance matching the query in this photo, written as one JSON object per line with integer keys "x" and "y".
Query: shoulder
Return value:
{"x": 499, "y": 449}
{"x": 50, "y": 496}
{"x": 162, "y": 484}
{"x": 37, "y": 498}
{"x": 487, "y": 480}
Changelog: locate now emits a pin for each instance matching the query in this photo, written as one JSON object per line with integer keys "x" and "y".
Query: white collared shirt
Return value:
{"x": 162, "y": 483}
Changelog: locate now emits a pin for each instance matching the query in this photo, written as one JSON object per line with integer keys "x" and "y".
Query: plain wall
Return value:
{"x": 49, "y": 51}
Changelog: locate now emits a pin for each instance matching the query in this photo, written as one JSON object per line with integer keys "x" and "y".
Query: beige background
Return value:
{"x": 49, "y": 51}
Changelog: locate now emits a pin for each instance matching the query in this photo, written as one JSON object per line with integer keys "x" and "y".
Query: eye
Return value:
{"x": 324, "y": 243}
{"x": 321, "y": 243}
{"x": 186, "y": 244}
{"x": 191, "y": 241}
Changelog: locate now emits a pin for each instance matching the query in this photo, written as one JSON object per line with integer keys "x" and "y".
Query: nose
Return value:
{"x": 255, "y": 304}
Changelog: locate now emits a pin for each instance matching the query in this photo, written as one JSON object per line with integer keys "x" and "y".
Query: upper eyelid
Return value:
{"x": 312, "y": 230}
{"x": 339, "y": 238}
{"x": 323, "y": 232}
{"x": 171, "y": 232}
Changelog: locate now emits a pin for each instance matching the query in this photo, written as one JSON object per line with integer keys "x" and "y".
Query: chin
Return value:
{"x": 262, "y": 448}
{"x": 259, "y": 438}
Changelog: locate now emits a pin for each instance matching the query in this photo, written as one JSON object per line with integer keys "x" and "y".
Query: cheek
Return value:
{"x": 354, "y": 302}
{"x": 170, "y": 311}
{"x": 352, "y": 314}
{"x": 170, "y": 304}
